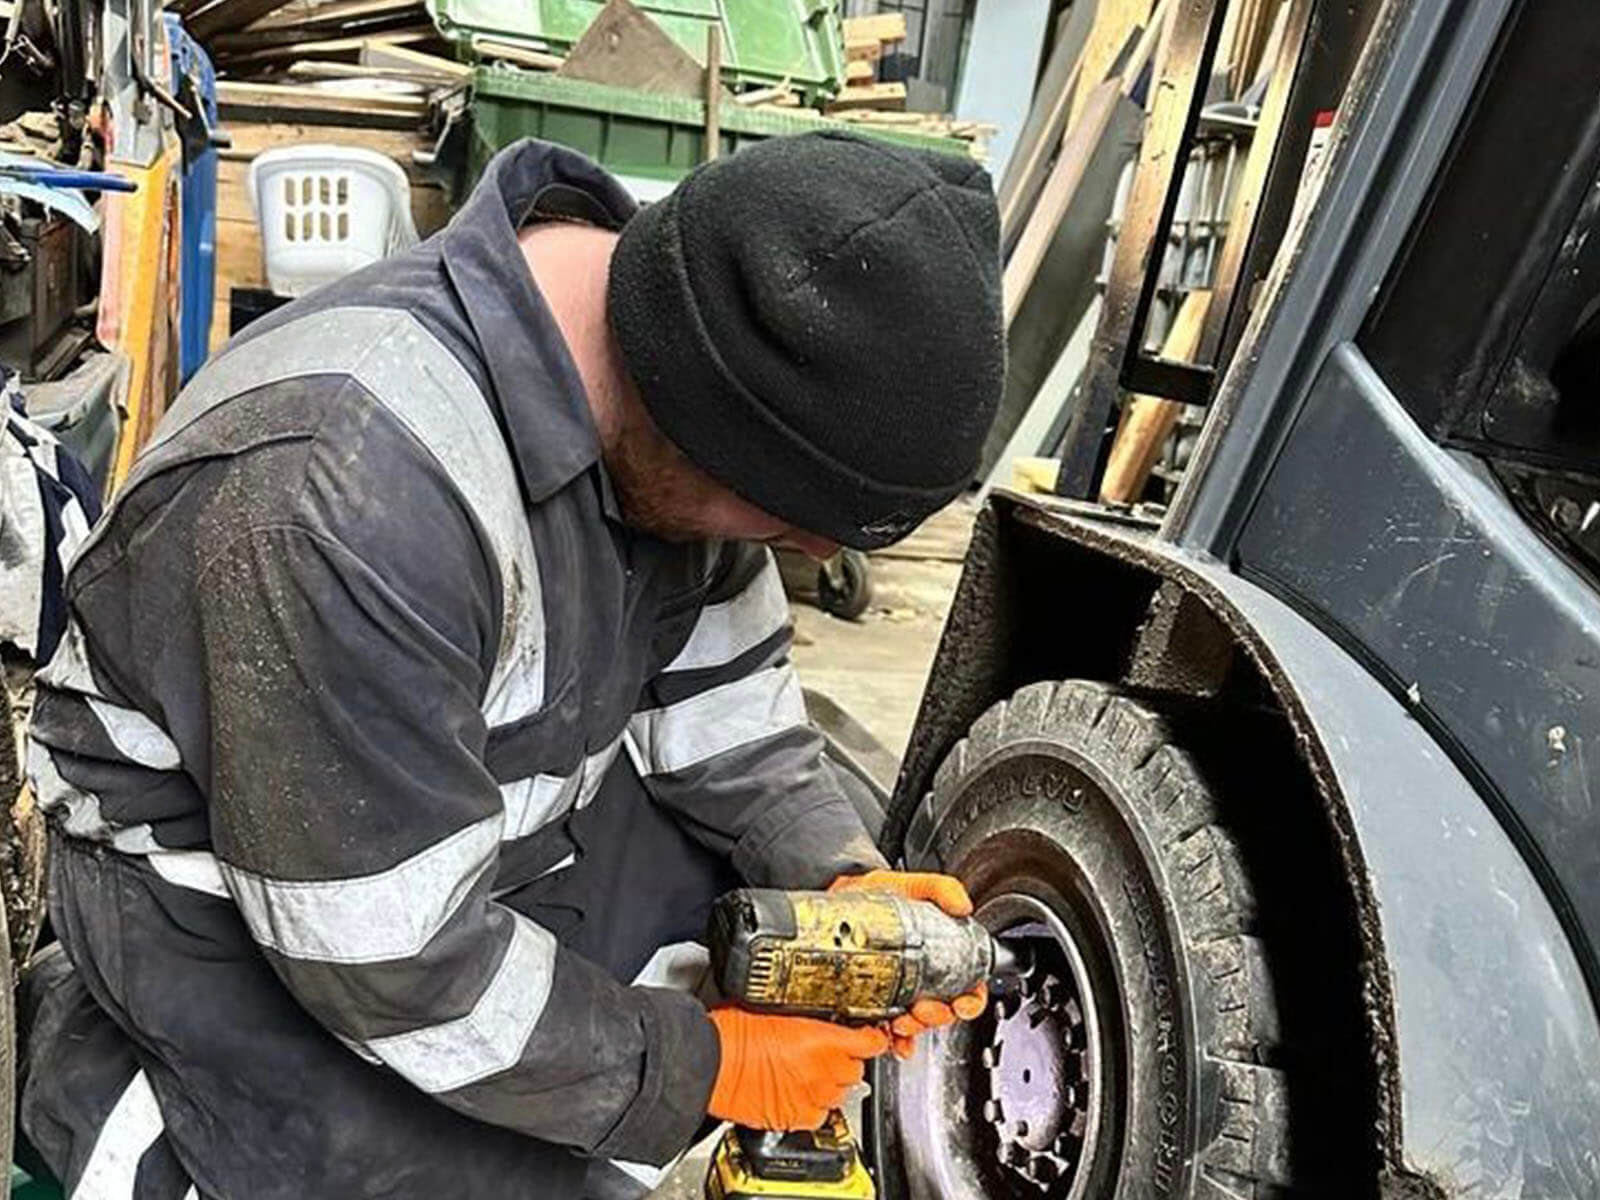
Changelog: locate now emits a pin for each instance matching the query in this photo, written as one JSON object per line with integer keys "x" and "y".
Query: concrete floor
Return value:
{"x": 874, "y": 669}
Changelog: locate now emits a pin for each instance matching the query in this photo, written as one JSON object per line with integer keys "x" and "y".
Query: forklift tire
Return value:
{"x": 853, "y": 595}
{"x": 1073, "y": 815}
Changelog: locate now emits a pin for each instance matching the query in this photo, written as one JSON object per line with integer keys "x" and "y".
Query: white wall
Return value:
{"x": 1001, "y": 67}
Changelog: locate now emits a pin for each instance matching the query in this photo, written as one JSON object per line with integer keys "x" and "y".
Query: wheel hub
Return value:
{"x": 1008, "y": 1107}
{"x": 1036, "y": 1064}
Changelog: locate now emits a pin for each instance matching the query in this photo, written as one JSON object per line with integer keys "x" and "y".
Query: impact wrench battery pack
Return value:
{"x": 823, "y": 1165}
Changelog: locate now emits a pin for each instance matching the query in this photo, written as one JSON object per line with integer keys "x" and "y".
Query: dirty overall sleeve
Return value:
{"x": 359, "y": 832}
{"x": 722, "y": 740}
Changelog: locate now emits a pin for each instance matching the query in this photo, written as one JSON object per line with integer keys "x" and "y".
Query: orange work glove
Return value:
{"x": 949, "y": 894}
{"x": 787, "y": 1072}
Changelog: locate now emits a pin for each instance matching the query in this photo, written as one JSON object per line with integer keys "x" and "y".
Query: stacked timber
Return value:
{"x": 867, "y": 99}
{"x": 865, "y": 42}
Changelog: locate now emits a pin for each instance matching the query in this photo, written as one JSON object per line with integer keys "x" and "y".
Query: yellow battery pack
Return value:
{"x": 820, "y": 1165}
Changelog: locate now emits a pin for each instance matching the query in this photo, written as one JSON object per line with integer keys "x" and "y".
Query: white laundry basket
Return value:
{"x": 325, "y": 211}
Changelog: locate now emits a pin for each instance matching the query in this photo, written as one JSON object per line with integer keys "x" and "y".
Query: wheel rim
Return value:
{"x": 1008, "y": 1107}
{"x": 1043, "y": 1054}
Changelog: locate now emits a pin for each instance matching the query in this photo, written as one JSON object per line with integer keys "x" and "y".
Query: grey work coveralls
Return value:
{"x": 380, "y": 754}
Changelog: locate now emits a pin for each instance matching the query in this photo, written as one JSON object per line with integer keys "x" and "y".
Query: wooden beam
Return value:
{"x": 1147, "y": 421}
{"x": 713, "y": 91}
{"x": 877, "y": 95}
{"x": 1115, "y": 22}
{"x": 297, "y": 14}
{"x": 522, "y": 56}
{"x": 1145, "y": 48}
{"x": 1031, "y": 169}
{"x": 1059, "y": 189}
{"x": 250, "y": 138}
{"x": 313, "y": 69}
{"x": 318, "y": 49}
{"x": 880, "y": 27}
{"x": 870, "y": 50}
{"x": 228, "y": 14}
{"x": 288, "y": 102}
{"x": 392, "y": 56}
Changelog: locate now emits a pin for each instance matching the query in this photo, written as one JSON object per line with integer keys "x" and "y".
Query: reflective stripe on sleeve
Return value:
{"x": 490, "y": 1038}
{"x": 389, "y": 915}
{"x": 665, "y": 740}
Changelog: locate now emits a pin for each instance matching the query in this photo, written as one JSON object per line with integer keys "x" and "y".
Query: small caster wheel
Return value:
{"x": 844, "y": 585}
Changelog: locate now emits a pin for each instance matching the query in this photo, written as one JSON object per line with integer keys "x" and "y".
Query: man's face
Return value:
{"x": 663, "y": 493}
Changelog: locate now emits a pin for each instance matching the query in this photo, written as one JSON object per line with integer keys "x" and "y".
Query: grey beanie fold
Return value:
{"x": 816, "y": 322}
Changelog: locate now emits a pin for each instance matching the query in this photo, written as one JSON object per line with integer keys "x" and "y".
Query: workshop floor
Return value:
{"x": 874, "y": 669}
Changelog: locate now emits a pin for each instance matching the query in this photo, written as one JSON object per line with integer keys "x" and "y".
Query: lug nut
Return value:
{"x": 993, "y": 1113}
{"x": 1050, "y": 991}
{"x": 990, "y": 1057}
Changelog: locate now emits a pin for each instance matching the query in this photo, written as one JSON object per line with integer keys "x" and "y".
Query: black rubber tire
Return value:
{"x": 1080, "y": 796}
{"x": 855, "y": 597}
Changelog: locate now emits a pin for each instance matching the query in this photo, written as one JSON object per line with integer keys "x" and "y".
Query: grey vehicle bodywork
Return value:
{"x": 1438, "y": 660}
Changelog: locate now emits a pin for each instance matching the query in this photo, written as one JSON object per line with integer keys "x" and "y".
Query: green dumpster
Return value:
{"x": 642, "y": 137}
{"x": 764, "y": 42}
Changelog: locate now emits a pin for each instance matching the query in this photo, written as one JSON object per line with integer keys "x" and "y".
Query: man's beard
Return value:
{"x": 659, "y": 491}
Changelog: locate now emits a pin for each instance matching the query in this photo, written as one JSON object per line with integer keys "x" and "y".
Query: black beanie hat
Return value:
{"x": 816, "y": 323}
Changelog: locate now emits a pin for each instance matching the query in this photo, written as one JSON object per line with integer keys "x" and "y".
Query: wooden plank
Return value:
{"x": 317, "y": 106}
{"x": 388, "y": 54}
{"x": 323, "y": 48}
{"x": 877, "y": 95}
{"x": 623, "y": 47}
{"x": 1115, "y": 22}
{"x": 777, "y": 94}
{"x": 407, "y": 16}
{"x": 879, "y": 27}
{"x": 1046, "y": 121}
{"x": 870, "y": 50}
{"x": 1270, "y": 50}
{"x": 488, "y": 49}
{"x": 713, "y": 92}
{"x": 252, "y": 137}
{"x": 282, "y": 99}
{"x": 1145, "y": 48}
{"x": 228, "y": 14}
{"x": 1148, "y": 420}
{"x": 1056, "y": 197}
{"x": 859, "y": 71}
{"x": 343, "y": 70}
{"x": 1032, "y": 170}
{"x": 297, "y": 14}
